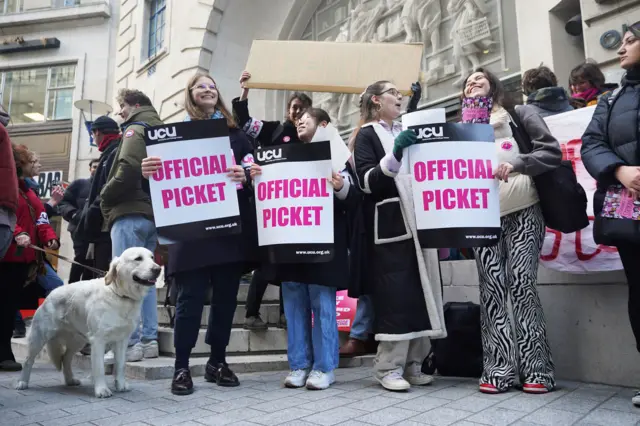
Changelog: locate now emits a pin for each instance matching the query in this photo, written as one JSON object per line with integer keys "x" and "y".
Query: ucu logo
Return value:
{"x": 167, "y": 132}
{"x": 272, "y": 154}
{"x": 430, "y": 132}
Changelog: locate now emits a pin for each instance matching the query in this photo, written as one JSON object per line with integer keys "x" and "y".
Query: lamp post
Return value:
{"x": 90, "y": 107}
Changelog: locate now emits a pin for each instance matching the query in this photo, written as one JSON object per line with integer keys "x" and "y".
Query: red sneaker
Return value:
{"x": 488, "y": 388}
{"x": 536, "y": 388}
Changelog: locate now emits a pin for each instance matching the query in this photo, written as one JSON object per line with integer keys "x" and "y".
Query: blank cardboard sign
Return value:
{"x": 324, "y": 66}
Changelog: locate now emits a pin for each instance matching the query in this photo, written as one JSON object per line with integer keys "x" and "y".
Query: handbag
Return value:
{"x": 618, "y": 221}
{"x": 562, "y": 198}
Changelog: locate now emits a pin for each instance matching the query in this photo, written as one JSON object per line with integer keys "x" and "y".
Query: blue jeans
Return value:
{"x": 6, "y": 237}
{"x": 311, "y": 348}
{"x": 49, "y": 282}
{"x": 363, "y": 321}
{"x": 138, "y": 231}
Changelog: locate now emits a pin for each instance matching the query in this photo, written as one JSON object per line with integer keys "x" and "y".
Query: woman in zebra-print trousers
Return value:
{"x": 510, "y": 267}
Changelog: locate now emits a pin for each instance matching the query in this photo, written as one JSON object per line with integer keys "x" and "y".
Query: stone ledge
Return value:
{"x": 53, "y": 16}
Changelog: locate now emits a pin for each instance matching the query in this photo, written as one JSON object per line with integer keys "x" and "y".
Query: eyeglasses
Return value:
{"x": 204, "y": 87}
{"x": 392, "y": 92}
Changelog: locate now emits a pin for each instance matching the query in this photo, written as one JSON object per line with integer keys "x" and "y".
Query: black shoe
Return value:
{"x": 19, "y": 331}
{"x": 10, "y": 365}
{"x": 182, "y": 383}
{"x": 221, "y": 375}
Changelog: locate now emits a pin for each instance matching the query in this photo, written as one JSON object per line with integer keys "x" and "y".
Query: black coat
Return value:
{"x": 89, "y": 227}
{"x": 611, "y": 139}
{"x": 395, "y": 285}
{"x": 334, "y": 273}
{"x": 240, "y": 248}
{"x": 72, "y": 203}
{"x": 265, "y": 133}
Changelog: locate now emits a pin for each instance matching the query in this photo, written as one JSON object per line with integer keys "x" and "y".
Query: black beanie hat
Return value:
{"x": 105, "y": 125}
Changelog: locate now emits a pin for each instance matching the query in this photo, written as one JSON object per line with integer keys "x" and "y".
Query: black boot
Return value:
{"x": 182, "y": 383}
{"x": 221, "y": 375}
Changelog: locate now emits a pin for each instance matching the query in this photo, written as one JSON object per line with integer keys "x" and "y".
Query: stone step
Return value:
{"x": 162, "y": 367}
{"x": 241, "y": 341}
{"x": 271, "y": 295}
{"x": 270, "y": 313}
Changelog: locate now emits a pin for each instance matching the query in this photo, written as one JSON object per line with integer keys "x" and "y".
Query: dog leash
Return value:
{"x": 73, "y": 262}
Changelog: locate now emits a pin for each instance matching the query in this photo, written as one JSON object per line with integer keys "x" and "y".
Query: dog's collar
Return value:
{"x": 120, "y": 295}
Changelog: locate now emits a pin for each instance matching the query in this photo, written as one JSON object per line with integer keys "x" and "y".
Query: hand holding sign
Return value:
{"x": 236, "y": 173}
{"x": 404, "y": 140}
{"x": 256, "y": 170}
{"x": 337, "y": 181}
{"x": 150, "y": 166}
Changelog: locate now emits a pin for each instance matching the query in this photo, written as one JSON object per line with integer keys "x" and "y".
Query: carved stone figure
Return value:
{"x": 464, "y": 12}
{"x": 421, "y": 20}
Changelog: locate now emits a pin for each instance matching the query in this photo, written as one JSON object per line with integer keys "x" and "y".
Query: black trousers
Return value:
{"x": 256, "y": 292}
{"x": 12, "y": 279}
{"x": 192, "y": 290}
{"x": 630, "y": 255}
{"x": 78, "y": 273}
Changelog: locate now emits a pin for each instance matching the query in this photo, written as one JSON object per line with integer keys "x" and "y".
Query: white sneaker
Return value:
{"x": 135, "y": 353}
{"x": 414, "y": 375}
{"x": 394, "y": 382}
{"x": 636, "y": 399}
{"x": 296, "y": 379}
{"x": 150, "y": 349}
{"x": 109, "y": 357}
{"x": 318, "y": 380}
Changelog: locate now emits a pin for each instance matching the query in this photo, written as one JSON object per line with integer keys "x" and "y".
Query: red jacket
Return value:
{"x": 39, "y": 229}
{"x": 8, "y": 175}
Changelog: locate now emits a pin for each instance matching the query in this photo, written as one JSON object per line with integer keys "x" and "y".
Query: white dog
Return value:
{"x": 102, "y": 312}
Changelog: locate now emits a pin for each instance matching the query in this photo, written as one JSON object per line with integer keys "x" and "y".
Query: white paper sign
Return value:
{"x": 340, "y": 153}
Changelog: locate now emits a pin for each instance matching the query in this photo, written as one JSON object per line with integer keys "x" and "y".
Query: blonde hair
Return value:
{"x": 198, "y": 114}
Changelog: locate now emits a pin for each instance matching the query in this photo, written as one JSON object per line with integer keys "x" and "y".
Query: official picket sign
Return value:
{"x": 192, "y": 196}
{"x": 455, "y": 195}
{"x": 294, "y": 203}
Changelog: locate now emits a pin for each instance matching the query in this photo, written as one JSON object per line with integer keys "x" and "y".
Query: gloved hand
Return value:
{"x": 416, "y": 94}
{"x": 404, "y": 140}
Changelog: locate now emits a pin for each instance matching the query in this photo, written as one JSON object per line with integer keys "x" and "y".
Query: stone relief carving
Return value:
{"x": 457, "y": 35}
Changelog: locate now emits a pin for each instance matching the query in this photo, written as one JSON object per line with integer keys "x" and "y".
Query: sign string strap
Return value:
{"x": 53, "y": 253}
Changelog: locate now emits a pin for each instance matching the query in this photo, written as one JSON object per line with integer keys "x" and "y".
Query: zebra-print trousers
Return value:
{"x": 510, "y": 268}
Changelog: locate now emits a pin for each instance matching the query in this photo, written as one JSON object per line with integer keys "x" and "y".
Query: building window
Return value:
{"x": 37, "y": 95}
{"x": 157, "y": 10}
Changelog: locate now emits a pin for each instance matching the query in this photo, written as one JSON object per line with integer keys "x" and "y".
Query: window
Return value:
{"x": 11, "y": 6}
{"x": 156, "y": 26}
{"x": 37, "y": 95}
{"x": 17, "y": 6}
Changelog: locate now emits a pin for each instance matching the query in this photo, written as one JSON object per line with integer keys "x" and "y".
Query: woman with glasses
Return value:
{"x": 402, "y": 277}
{"x": 219, "y": 261}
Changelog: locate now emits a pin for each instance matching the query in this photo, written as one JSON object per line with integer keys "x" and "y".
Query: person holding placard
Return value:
{"x": 268, "y": 133}
{"x": 219, "y": 261}
{"x": 510, "y": 268}
{"x": 407, "y": 311}
{"x": 311, "y": 287}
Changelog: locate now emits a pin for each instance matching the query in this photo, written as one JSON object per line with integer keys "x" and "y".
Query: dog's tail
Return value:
{"x": 56, "y": 351}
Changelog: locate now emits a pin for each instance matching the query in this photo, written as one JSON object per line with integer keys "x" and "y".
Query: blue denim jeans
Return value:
{"x": 311, "y": 348}
{"x": 363, "y": 321}
{"x": 6, "y": 237}
{"x": 138, "y": 231}
{"x": 49, "y": 282}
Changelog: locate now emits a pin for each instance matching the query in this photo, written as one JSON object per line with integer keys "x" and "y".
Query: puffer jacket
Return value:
{"x": 611, "y": 139}
{"x": 8, "y": 174}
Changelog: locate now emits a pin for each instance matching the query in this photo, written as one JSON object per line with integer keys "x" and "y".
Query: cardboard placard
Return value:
{"x": 191, "y": 194}
{"x": 323, "y": 66}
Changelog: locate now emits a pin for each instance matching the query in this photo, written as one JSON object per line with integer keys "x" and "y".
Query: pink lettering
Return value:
{"x": 455, "y": 199}
{"x": 291, "y": 216}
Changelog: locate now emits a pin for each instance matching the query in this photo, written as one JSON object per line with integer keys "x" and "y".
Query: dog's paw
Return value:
{"x": 21, "y": 385}
{"x": 122, "y": 386}
{"x": 73, "y": 382}
{"x": 103, "y": 392}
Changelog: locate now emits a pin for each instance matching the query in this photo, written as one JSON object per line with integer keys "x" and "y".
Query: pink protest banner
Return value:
{"x": 345, "y": 310}
{"x": 577, "y": 252}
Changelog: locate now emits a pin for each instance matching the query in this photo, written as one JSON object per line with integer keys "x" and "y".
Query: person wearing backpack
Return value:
{"x": 611, "y": 155}
{"x": 510, "y": 268}
{"x": 126, "y": 208}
